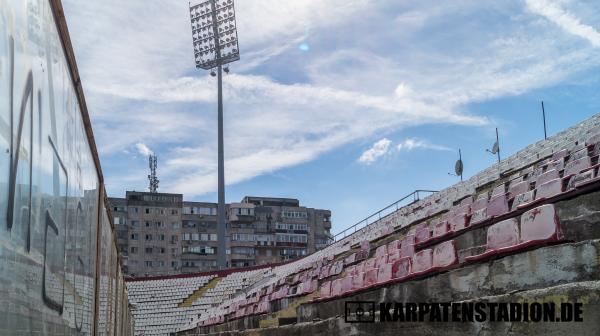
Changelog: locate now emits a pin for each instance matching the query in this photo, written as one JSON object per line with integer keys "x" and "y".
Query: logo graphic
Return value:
{"x": 359, "y": 312}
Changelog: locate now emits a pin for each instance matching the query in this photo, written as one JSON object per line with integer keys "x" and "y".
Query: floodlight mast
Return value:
{"x": 197, "y": 17}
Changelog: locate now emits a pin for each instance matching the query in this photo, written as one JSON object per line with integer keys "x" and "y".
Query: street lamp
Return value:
{"x": 215, "y": 41}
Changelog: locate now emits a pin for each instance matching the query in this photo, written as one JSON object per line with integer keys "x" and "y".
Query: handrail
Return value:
{"x": 414, "y": 194}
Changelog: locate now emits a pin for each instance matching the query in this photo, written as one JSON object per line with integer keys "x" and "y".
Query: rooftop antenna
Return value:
{"x": 544, "y": 117}
{"x": 496, "y": 147}
{"x": 458, "y": 167}
{"x": 152, "y": 162}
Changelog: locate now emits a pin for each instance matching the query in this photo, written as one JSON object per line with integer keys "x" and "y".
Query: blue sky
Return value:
{"x": 344, "y": 104}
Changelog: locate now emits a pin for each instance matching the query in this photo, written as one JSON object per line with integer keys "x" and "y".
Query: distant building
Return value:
{"x": 160, "y": 234}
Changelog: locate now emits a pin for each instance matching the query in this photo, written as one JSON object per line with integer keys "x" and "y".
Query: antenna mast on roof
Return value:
{"x": 152, "y": 160}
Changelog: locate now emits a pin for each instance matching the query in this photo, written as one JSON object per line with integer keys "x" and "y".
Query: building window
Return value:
{"x": 174, "y": 239}
{"x": 174, "y": 211}
{"x": 134, "y": 236}
{"x": 195, "y": 236}
{"x": 134, "y": 210}
{"x": 147, "y": 224}
{"x": 160, "y": 225}
{"x": 148, "y": 237}
{"x": 175, "y": 225}
{"x": 161, "y": 237}
{"x": 133, "y": 250}
{"x": 148, "y": 264}
{"x": 147, "y": 210}
{"x": 134, "y": 223}
{"x": 174, "y": 264}
{"x": 291, "y": 238}
{"x": 148, "y": 250}
{"x": 162, "y": 250}
{"x": 294, "y": 214}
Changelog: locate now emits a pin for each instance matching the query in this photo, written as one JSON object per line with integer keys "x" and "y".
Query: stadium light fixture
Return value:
{"x": 215, "y": 41}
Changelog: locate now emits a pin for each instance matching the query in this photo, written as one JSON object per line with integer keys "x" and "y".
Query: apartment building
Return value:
{"x": 160, "y": 234}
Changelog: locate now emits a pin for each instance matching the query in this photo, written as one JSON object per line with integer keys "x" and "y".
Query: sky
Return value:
{"x": 346, "y": 105}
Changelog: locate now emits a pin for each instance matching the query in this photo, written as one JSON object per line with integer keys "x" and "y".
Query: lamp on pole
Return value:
{"x": 215, "y": 42}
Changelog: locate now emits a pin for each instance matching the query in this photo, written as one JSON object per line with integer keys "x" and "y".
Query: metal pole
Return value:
{"x": 544, "y": 116}
{"x": 221, "y": 225}
{"x": 498, "y": 142}
{"x": 460, "y": 158}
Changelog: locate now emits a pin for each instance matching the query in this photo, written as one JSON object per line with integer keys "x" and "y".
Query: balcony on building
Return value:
{"x": 241, "y": 213}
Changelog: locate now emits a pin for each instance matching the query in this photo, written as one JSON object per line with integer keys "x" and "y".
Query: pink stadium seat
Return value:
{"x": 422, "y": 233}
{"x": 409, "y": 239}
{"x": 523, "y": 200}
{"x": 350, "y": 259}
{"x": 501, "y": 237}
{"x": 370, "y": 263}
{"x": 360, "y": 267}
{"x": 549, "y": 189}
{"x": 577, "y": 166}
{"x": 336, "y": 287}
{"x": 325, "y": 290}
{"x": 497, "y": 206}
{"x": 381, "y": 260}
{"x": 365, "y": 245}
{"x": 582, "y": 179}
{"x": 593, "y": 140}
{"x": 560, "y": 154}
{"x": 459, "y": 222}
{"x": 479, "y": 216}
{"x": 407, "y": 250}
{"x": 370, "y": 277}
{"x": 422, "y": 262}
{"x": 385, "y": 273}
{"x": 381, "y": 251}
{"x": 466, "y": 201}
{"x": 358, "y": 281}
{"x": 393, "y": 246}
{"x": 347, "y": 284}
{"x": 517, "y": 189}
{"x": 310, "y": 286}
{"x": 547, "y": 176}
{"x": 362, "y": 255}
{"x": 337, "y": 268}
{"x": 444, "y": 255}
{"x": 395, "y": 255}
{"x": 480, "y": 203}
{"x": 324, "y": 272}
{"x": 498, "y": 190}
{"x": 578, "y": 155}
{"x": 540, "y": 225}
{"x": 402, "y": 268}
{"x": 441, "y": 229}
{"x": 351, "y": 270}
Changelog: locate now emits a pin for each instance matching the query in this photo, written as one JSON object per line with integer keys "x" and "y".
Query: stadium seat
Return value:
{"x": 395, "y": 255}
{"x": 370, "y": 263}
{"x": 381, "y": 260}
{"x": 579, "y": 154}
{"x": 358, "y": 281}
{"x": 422, "y": 233}
{"x": 422, "y": 262}
{"x": 441, "y": 229}
{"x": 381, "y": 251}
{"x": 393, "y": 246}
{"x": 547, "y": 176}
{"x": 347, "y": 284}
{"x": 480, "y": 203}
{"x": 409, "y": 239}
{"x": 549, "y": 189}
{"x": 351, "y": 270}
{"x": 523, "y": 200}
{"x": 336, "y": 287}
{"x": 385, "y": 273}
{"x": 501, "y": 237}
{"x": 518, "y": 189}
{"x": 479, "y": 216}
{"x": 577, "y": 166}
{"x": 365, "y": 245}
{"x": 540, "y": 225}
{"x": 350, "y": 259}
{"x": 370, "y": 277}
{"x": 497, "y": 206}
{"x": 498, "y": 190}
{"x": 582, "y": 179}
{"x": 459, "y": 222}
{"x": 444, "y": 255}
{"x": 402, "y": 268}
{"x": 407, "y": 249}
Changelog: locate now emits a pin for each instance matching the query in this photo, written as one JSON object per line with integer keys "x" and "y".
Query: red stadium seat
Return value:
{"x": 409, "y": 239}
{"x": 395, "y": 255}
{"x": 358, "y": 281}
{"x": 459, "y": 222}
{"x": 385, "y": 273}
{"x": 370, "y": 263}
{"x": 501, "y": 237}
{"x": 549, "y": 189}
{"x": 441, "y": 229}
{"x": 351, "y": 270}
{"x": 466, "y": 201}
{"x": 547, "y": 176}
{"x": 422, "y": 262}
{"x": 350, "y": 259}
{"x": 582, "y": 179}
{"x": 336, "y": 287}
{"x": 444, "y": 255}
{"x": 402, "y": 268}
{"x": 347, "y": 284}
{"x": 381, "y": 260}
{"x": 370, "y": 277}
{"x": 325, "y": 290}
{"x": 480, "y": 203}
{"x": 518, "y": 189}
{"x": 407, "y": 250}
{"x": 577, "y": 166}
{"x": 422, "y": 233}
{"x": 381, "y": 251}
{"x": 523, "y": 200}
{"x": 393, "y": 246}
{"x": 540, "y": 225}
{"x": 497, "y": 206}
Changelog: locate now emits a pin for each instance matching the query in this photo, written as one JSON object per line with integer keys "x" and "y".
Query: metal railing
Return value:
{"x": 377, "y": 216}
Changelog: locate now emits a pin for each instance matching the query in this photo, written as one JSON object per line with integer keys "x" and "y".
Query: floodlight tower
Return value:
{"x": 215, "y": 41}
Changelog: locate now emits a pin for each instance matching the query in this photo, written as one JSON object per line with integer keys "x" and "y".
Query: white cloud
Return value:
{"x": 379, "y": 149}
{"x": 413, "y": 143}
{"x": 143, "y": 149}
{"x": 287, "y": 107}
{"x": 564, "y": 19}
